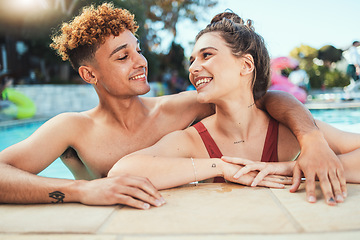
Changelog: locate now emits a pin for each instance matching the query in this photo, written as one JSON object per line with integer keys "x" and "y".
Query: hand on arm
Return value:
{"x": 260, "y": 173}
{"x": 316, "y": 158}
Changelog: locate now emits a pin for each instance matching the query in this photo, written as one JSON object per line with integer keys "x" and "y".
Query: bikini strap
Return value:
{"x": 270, "y": 153}
{"x": 211, "y": 147}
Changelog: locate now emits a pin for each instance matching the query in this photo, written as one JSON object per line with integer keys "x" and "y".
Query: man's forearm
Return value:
{"x": 18, "y": 186}
{"x": 289, "y": 111}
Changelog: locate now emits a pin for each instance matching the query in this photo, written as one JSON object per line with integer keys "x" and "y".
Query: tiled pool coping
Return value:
{"x": 208, "y": 211}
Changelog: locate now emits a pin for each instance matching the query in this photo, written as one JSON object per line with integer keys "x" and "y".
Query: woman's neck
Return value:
{"x": 237, "y": 119}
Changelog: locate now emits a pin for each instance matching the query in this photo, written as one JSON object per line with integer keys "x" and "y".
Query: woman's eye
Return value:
{"x": 205, "y": 55}
{"x": 139, "y": 51}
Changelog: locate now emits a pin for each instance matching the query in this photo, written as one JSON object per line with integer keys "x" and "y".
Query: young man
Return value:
{"x": 101, "y": 46}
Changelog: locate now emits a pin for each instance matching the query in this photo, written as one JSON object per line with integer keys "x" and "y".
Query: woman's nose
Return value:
{"x": 194, "y": 67}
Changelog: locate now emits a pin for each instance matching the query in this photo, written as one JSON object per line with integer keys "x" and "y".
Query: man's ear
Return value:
{"x": 87, "y": 74}
{"x": 247, "y": 64}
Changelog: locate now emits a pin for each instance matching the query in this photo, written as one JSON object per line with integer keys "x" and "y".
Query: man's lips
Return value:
{"x": 140, "y": 76}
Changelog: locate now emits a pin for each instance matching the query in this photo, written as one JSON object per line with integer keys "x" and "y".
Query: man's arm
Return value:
{"x": 185, "y": 104}
{"x": 20, "y": 163}
{"x": 316, "y": 158}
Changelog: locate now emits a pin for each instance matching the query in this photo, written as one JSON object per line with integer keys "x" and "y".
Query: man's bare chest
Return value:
{"x": 100, "y": 150}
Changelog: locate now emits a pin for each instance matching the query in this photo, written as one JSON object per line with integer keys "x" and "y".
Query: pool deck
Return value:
{"x": 207, "y": 211}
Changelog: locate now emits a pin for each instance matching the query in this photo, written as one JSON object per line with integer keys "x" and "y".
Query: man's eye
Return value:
{"x": 123, "y": 58}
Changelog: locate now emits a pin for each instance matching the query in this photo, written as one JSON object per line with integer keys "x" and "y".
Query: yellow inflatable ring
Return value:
{"x": 25, "y": 106}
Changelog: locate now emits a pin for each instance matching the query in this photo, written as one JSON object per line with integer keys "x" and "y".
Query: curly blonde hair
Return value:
{"x": 78, "y": 40}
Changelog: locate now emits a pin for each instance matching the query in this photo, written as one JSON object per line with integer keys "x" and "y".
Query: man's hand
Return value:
{"x": 318, "y": 160}
{"x": 129, "y": 190}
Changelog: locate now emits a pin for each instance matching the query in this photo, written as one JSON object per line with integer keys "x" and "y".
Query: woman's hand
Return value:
{"x": 262, "y": 174}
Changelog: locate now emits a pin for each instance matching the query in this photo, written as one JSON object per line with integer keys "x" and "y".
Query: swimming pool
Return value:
{"x": 345, "y": 119}
{"x": 16, "y": 133}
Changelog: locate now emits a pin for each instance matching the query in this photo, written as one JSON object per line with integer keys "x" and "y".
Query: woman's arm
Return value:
{"x": 171, "y": 162}
{"x": 176, "y": 160}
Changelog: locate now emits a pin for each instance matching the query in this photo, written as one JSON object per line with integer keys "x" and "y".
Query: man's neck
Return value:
{"x": 126, "y": 112}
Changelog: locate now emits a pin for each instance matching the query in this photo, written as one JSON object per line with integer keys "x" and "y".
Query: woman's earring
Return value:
{"x": 95, "y": 83}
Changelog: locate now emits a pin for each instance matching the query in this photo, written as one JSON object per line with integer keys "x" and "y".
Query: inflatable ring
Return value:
{"x": 25, "y": 106}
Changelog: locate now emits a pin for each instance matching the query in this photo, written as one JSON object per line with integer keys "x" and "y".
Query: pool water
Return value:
{"x": 13, "y": 134}
{"x": 347, "y": 119}
{"x": 344, "y": 119}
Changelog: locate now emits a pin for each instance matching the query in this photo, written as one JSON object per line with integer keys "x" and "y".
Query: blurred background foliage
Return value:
{"x": 322, "y": 65}
{"x": 26, "y": 27}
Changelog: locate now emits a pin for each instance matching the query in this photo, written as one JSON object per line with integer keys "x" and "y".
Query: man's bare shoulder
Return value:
{"x": 71, "y": 119}
{"x": 64, "y": 123}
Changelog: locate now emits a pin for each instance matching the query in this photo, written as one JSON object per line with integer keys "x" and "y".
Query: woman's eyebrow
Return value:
{"x": 202, "y": 50}
{"x": 206, "y": 48}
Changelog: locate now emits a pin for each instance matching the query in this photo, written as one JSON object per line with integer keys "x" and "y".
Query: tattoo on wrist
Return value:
{"x": 213, "y": 165}
{"x": 58, "y": 196}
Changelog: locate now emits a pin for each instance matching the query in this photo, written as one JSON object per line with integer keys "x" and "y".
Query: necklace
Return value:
{"x": 241, "y": 141}
{"x": 251, "y": 105}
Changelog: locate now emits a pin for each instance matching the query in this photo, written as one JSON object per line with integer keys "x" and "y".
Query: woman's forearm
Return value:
{"x": 351, "y": 164}
{"x": 166, "y": 172}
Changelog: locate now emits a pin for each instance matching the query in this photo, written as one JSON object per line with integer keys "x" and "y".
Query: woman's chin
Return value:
{"x": 202, "y": 98}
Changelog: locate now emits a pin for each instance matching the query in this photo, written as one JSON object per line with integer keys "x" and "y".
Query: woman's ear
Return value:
{"x": 87, "y": 74}
{"x": 247, "y": 64}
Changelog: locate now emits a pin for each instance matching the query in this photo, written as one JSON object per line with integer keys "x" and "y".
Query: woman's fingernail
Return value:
{"x": 158, "y": 203}
{"x": 162, "y": 200}
{"x": 344, "y": 194}
{"x": 312, "y": 199}
{"x": 146, "y": 206}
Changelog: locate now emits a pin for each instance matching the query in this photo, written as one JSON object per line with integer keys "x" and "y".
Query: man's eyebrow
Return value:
{"x": 118, "y": 49}
{"x": 122, "y": 47}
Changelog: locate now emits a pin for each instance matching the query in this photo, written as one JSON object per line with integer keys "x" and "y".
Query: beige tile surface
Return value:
{"x": 50, "y": 218}
{"x": 304, "y": 236}
{"x": 320, "y": 217}
{"x": 57, "y": 237}
{"x": 209, "y": 208}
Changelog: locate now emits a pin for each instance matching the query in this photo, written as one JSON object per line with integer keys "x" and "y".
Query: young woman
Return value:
{"x": 230, "y": 68}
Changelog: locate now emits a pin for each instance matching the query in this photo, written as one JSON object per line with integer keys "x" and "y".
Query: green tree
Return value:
{"x": 305, "y": 54}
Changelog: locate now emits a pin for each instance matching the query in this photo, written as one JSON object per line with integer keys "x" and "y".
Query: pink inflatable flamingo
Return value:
{"x": 279, "y": 82}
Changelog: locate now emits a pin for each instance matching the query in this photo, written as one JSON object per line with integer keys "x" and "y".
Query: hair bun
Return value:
{"x": 228, "y": 15}
{"x": 233, "y": 17}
